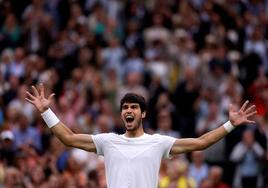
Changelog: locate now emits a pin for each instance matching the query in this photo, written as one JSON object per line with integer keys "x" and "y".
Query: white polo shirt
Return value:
{"x": 132, "y": 162}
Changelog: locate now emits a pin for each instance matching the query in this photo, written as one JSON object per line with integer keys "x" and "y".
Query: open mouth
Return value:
{"x": 129, "y": 119}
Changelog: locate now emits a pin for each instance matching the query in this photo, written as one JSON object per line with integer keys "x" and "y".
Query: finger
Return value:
{"x": 231, "y": 107}
{"x": 251, "y": 114}
{"x": 250, "y": 109}
{"x": 30, "y": 95}
{"x": 244, "y": 106}
{"x": 250, "y": 122}
{"x": 29, "y": 100}
{"x": 36, "y": 93}
{"x": 51, "y": 97}
{"x": 42, "y": 90}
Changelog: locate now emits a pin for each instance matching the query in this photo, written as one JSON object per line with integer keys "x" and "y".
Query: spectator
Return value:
{"x": 257, "y": 92}
{"x": 133, "y": 82}
{"x": 247, "y": 155}
{"x": 213, "y": 119}
{"x": 19, "y": 104}
{"x": 255, "y": 44}
{"x": 104, "y": 124}
{"x": 263, "y": 124}
{"x": 165, "y": 124}
{"x": 7, "y": 148}
{"x": 13, "y": 178}
{"x": 184, "y": 97}
{"x": 215, "y": 175}
{"x": 11, "y": 31}
{"x": 91, "y": 52}
{"x": 206, "y": 183}
{"x": 66, "y": 113}
{"x": 17, "y": 66}
{"x": 10, "y": 91}
{"x": 231, "y": 91}
{"x": 25, "y": 134}
{"x": 113, "y": 55}
{"x": 178, "y": 176}
{"x": 198, "y": 168}
{"x": 133, "y": 37}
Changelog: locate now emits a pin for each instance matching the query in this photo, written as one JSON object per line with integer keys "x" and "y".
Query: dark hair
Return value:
{"x": 133, "y": 98}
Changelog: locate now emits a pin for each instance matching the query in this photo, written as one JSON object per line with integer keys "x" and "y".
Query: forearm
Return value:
{"x": 212, "y": 137}
{"x": 66, "y": 135}
{"x": 63, "y": 133}
{"x": 202, "y": 142}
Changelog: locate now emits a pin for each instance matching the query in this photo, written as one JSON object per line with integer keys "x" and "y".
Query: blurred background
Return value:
{"x": 189, "y": 58}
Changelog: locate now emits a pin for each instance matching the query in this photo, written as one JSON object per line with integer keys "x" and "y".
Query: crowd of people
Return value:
{"x": 189, "y": 58}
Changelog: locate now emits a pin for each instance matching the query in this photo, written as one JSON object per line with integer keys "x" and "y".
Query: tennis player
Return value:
{"x": 132, "y": 160}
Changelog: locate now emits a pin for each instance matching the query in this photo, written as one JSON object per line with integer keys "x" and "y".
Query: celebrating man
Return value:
{"x": 133, "y": 159}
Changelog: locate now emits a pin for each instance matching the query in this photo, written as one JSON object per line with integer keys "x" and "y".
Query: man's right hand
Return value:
{"x": 38, "y": 99}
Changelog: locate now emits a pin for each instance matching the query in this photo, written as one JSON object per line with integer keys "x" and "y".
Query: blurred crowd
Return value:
{"x": 189, "y": 58}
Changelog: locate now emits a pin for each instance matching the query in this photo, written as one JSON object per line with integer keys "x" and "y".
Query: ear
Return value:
{"x": 143, "y": 115}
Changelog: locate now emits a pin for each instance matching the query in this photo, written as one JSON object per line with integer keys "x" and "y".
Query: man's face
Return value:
{"x": 132, "y": 116}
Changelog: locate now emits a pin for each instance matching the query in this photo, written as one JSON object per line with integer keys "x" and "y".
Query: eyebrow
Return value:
{"x": 130, "y": 104}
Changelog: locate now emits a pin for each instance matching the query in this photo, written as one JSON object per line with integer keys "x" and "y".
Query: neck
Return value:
{"x": 198, "y": 165}
{"x": 134, "y": 133}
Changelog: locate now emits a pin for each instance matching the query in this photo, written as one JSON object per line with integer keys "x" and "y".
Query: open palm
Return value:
{"x": 38, "y": 99}
{"x": 241, "y": 116}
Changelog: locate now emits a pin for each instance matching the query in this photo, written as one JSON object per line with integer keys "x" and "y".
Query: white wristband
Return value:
{"x": 228, "y": 126}
{"x": 50, "y": 118}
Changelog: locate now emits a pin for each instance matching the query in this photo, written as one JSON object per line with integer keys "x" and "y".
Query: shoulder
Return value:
{"x": 105, "y": 136}
{"x": 157, "y": 135}
{"x": 240, "y": 146}
{"x": 162, "y": 138}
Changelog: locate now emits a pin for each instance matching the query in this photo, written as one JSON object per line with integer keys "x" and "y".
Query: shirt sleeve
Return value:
{"x": 99, "y": 141}
{"x": 166, "y": 144}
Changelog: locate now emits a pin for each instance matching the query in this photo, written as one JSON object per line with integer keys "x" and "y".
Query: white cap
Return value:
{"x": 7, "y": 135}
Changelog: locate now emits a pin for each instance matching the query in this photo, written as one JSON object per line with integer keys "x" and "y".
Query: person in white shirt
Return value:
{"x": 132, "y": 160}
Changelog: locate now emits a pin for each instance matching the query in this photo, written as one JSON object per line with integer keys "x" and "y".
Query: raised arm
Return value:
{"x": 61, "y": 131}
{"x": 236, "y": 118}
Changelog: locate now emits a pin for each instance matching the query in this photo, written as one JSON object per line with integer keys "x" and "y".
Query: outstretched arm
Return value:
{"x": 62, "y": 132}
{"x": 236, "y": 118}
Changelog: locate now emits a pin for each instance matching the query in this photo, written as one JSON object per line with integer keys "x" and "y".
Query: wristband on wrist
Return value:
{"x": 50, "y": 118}
{"x": 228, "y": 126}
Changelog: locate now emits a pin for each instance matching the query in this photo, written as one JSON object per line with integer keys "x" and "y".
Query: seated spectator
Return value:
{"x": 26, "y": 135}
{"x": 206, "y": 183}
{"x": 11, "y": 31}
{"x": 19, "y": 103}
{"x": 198, "y": 169}
{"x": 178, "y": 176}
{"x": 7, "y": 148}
{"x": 164, "y": 124}
{"x": 13, "y": 178}
{"x": 215, "y": 175}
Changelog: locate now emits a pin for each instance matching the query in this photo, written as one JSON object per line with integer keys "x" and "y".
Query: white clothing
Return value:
{"x": 132, "y": 162}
